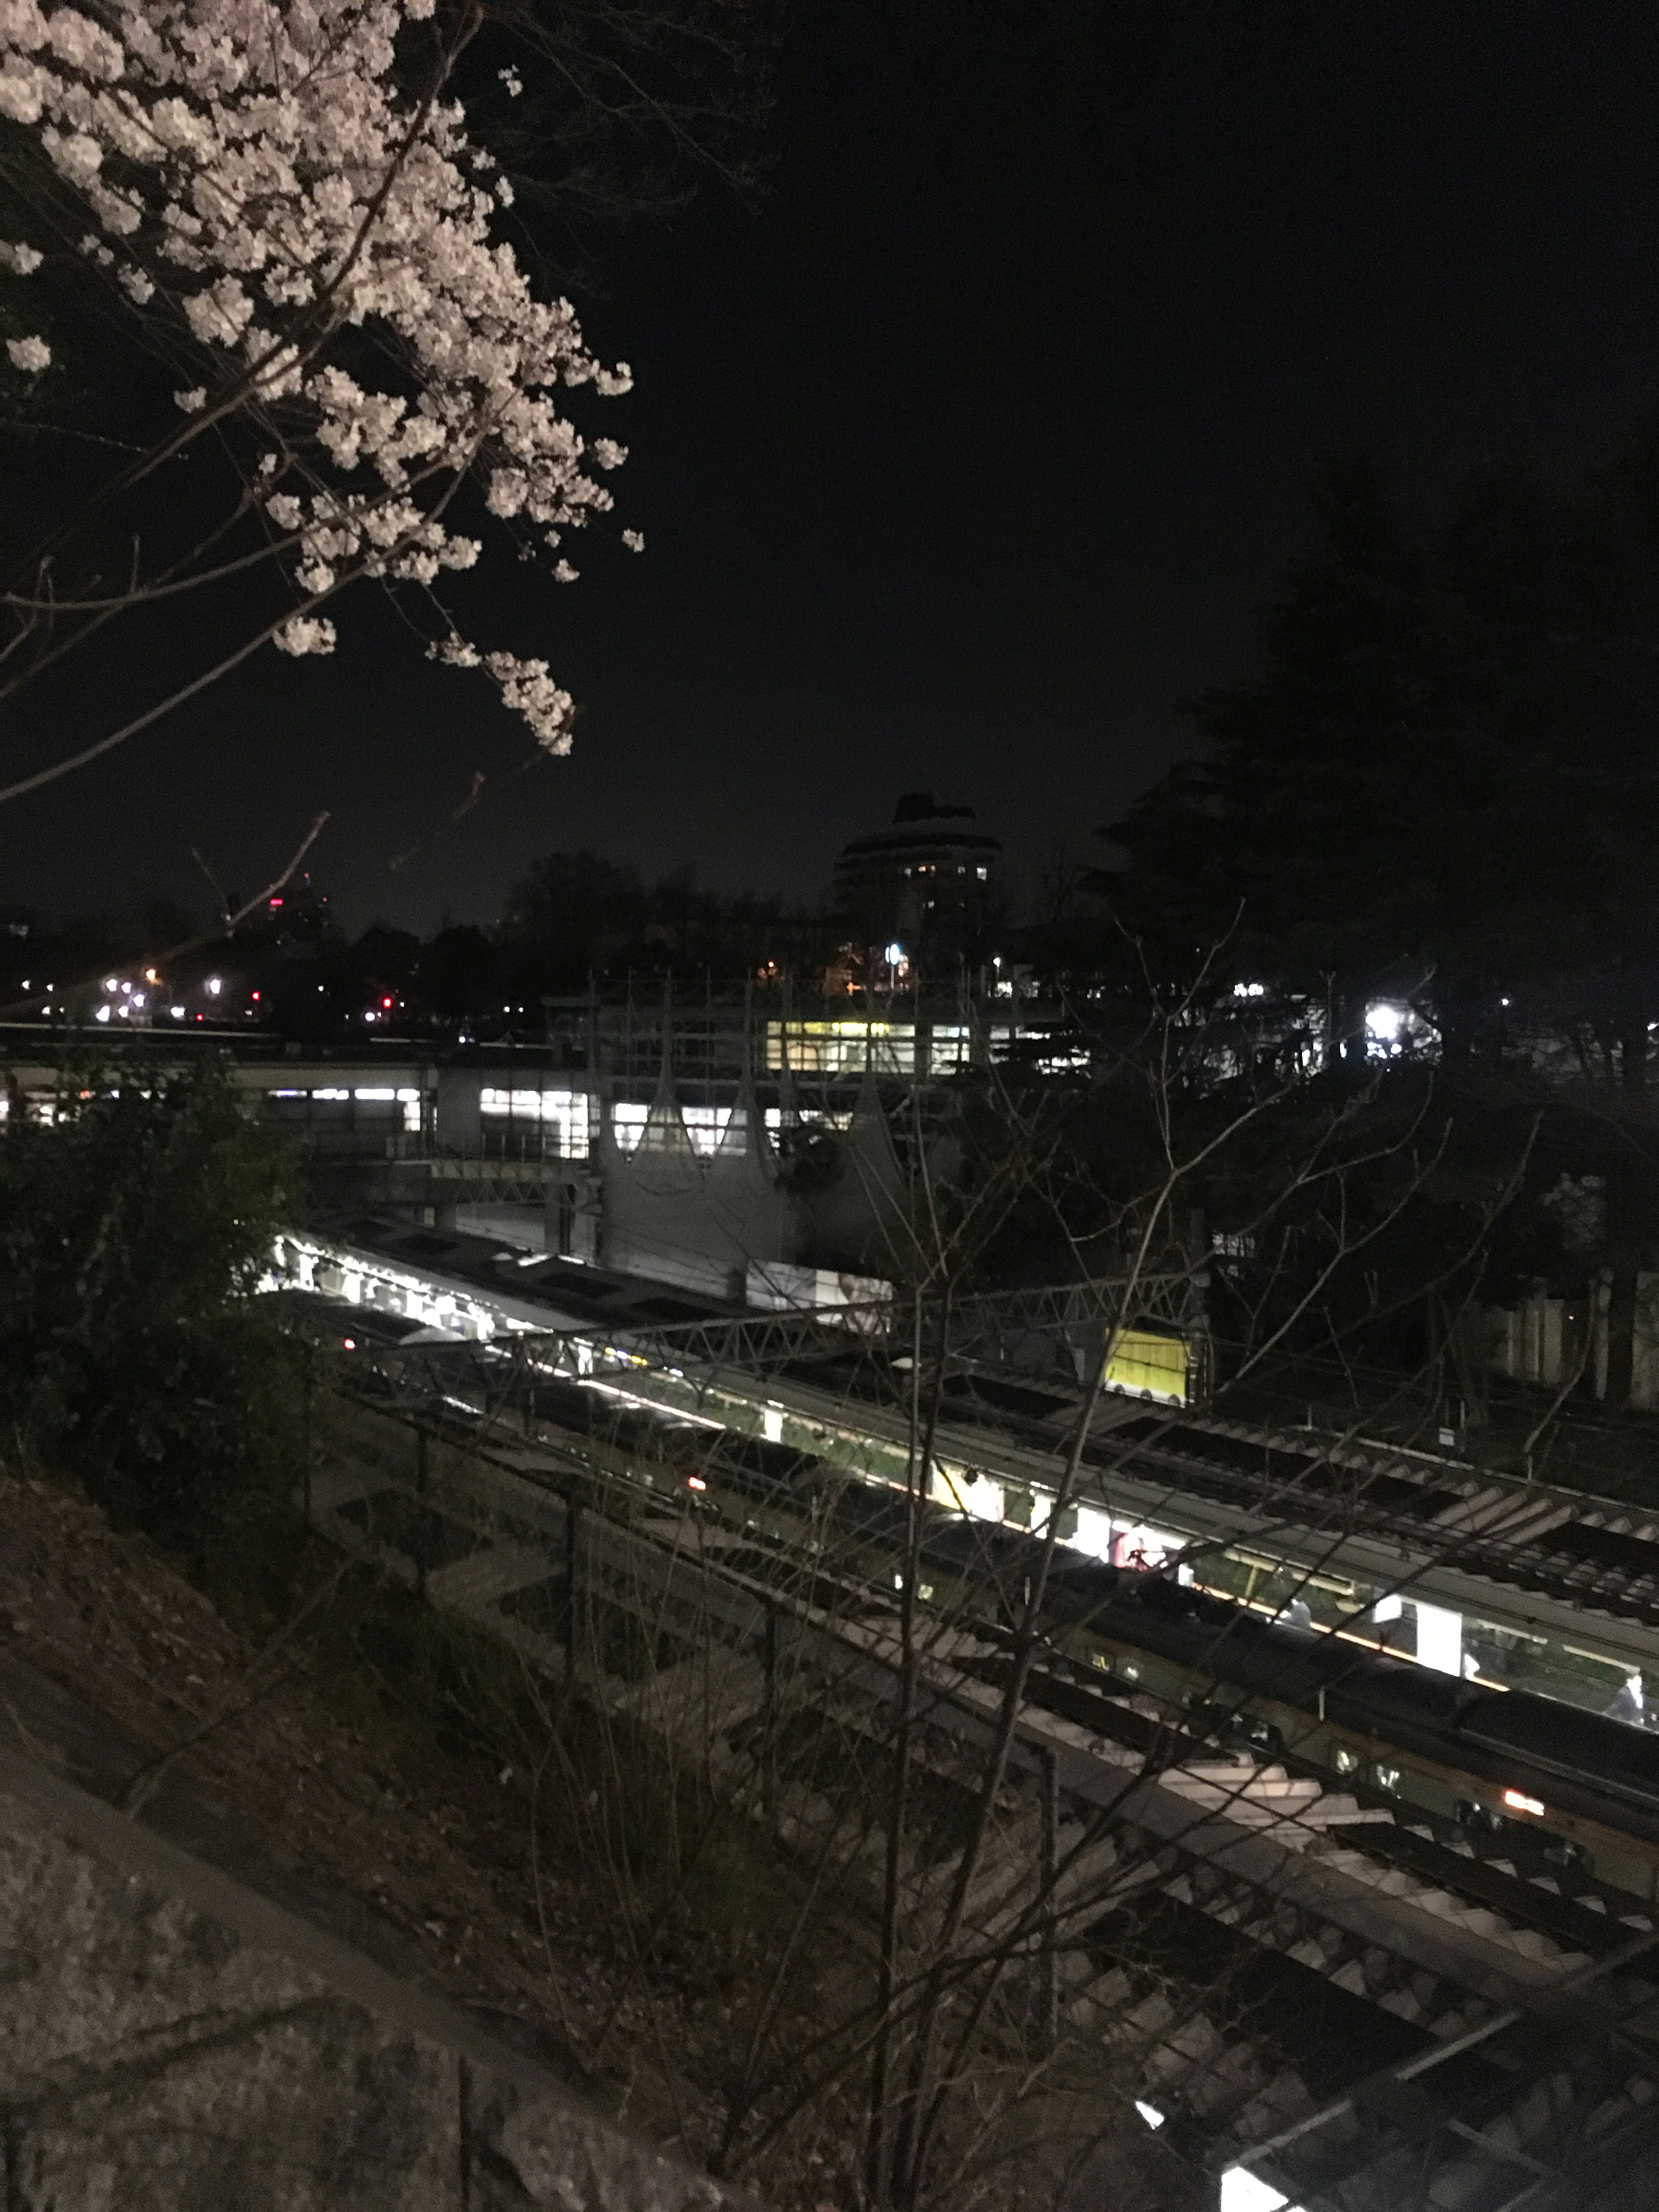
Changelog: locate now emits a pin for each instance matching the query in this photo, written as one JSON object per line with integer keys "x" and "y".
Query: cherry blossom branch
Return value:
{"x": 268, "y": 155}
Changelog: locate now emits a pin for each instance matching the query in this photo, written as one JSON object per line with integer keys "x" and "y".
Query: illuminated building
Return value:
{"x": 927, "y": 884}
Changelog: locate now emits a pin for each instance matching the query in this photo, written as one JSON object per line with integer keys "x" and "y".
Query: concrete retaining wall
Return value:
{"x": 172, "y": 2042}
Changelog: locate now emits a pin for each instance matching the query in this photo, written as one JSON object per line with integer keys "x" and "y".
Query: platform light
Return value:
{"x": 1518, "y": 1801}
{"x": 1244, "y": 2191}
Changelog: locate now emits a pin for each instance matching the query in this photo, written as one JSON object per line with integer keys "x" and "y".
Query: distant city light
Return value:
{"x": 150, "y": 975}
{"x": 215, "y": 984}
{"x": 102, "y": 1014}
{"x": 110, "y": 984}
{"x": 177, "y": 1012}
{"x": 1249, "y": 990}
{"x": 137, "y": 998}
{"x": 894, "y": 953}
{"x": 1149, "y": 2113}
{"x": 1384, "y": 1023}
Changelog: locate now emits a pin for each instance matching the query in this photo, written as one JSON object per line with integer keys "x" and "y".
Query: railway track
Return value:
{"x": 1355, "y": 1946}
{"x": 1593, "y": 1554}
{"x": 1529, "y": 1558}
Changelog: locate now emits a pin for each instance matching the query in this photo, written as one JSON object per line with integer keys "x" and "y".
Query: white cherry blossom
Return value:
{"x": 275, "y": 175}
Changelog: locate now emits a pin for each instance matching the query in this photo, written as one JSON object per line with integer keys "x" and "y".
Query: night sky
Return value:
{"x": 972, "y": 450}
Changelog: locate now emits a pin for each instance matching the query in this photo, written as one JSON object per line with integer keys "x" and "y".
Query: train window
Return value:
{"x": 1571, "y": 1857}
{"x": 1387, "y": 1777}
{"x": 1347, "y": 1761}
{"x": 1518, "y": 1801}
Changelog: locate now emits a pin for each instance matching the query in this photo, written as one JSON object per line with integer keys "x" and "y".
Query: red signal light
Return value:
{"x": 387, "y": 1003}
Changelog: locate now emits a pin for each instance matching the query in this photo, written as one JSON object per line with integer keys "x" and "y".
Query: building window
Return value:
{"x": 563, "y": 1115}
{"x": 840, "y": 1048}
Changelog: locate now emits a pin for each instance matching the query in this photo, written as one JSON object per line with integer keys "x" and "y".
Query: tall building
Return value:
{"x": 927, "y": 884}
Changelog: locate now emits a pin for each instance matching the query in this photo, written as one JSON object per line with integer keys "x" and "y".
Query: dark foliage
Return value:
{"x": 1443, "y": 779}
{"x": 131, "y": 1230}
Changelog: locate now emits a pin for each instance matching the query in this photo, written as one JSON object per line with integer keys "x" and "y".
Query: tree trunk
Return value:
{"x": 1350, "y": 1059}
{"x": 1622, "y": 1322}
{"x": 1623, "y": 1202}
